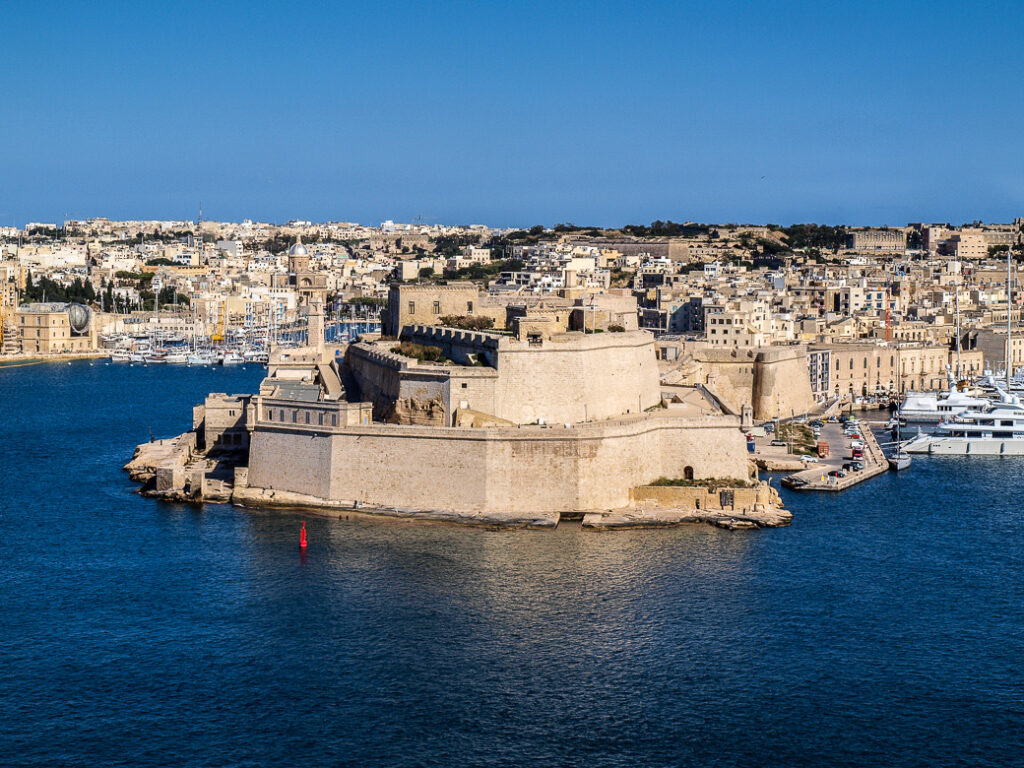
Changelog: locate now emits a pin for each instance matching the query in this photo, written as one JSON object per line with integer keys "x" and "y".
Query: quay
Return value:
{"x": 19, "y": 360}
{"x": 816, "y": 477}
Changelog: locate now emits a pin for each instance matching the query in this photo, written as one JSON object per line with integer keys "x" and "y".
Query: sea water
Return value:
{"x": 885, "y": 627}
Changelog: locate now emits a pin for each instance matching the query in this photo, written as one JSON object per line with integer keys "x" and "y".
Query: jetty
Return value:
{"x": 816, "y": 476}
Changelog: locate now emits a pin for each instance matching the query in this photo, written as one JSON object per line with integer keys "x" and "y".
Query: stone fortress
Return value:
{"x": 555, "y": 411}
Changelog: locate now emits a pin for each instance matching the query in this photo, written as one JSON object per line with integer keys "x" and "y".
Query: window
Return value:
{"x": 321, "y": 419}
{"x": 307, "y": 417}
{"x": 437, "y": 307}
{"x": 334, "y": 419}
{"x": 412, "y": 307}
{"x": 469, "y": 306}
{"x": 295, "y": 417}
{"x": 270, "y": 415}
{"x": 464, "y": 385}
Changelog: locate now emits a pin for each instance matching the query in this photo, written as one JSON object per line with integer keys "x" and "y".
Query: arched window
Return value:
{"x": 688, "y": 473}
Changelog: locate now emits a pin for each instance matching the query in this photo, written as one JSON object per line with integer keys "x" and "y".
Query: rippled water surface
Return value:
{"x": 885, "y": 627}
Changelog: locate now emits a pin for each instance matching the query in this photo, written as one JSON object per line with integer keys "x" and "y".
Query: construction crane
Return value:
{"x": 219, "y": 335}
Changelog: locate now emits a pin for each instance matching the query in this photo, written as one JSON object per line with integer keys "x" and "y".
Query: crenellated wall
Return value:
{"x": 567, "y": 378}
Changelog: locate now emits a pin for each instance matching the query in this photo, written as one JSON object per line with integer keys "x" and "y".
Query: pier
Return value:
{"x": 815, "y": 476}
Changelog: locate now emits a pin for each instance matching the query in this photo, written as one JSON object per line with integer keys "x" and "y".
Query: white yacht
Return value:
{"x": 176, "y": 358}
{"x": 120, "y": 356}
{"x": 931, "y": 407}
{"x": 200, "y": 358}
{"x": 997, "y": 430}
{"x": 231, "y": 357}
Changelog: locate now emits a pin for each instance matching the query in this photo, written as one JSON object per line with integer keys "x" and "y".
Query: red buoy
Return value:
{"x": 302, "y": 536}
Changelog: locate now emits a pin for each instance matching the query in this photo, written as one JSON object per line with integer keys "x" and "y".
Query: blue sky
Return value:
{"x": 513, "y": 114}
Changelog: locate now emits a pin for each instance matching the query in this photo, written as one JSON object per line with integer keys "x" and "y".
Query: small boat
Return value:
{"x": 232, "y": 358}
{"x": 120, "y": 356}
{"x": 200, "y": 358}
{"x": 176, "y": 358}
{"x": 899, "y": 460}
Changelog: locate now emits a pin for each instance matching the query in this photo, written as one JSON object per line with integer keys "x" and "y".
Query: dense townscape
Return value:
{"x": 842, "y": 298}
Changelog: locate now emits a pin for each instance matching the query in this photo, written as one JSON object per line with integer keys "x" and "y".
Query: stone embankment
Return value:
{"x": 19, "y": 359}
{"x": 734, "y": 508}
{"x": 658, "y": 517}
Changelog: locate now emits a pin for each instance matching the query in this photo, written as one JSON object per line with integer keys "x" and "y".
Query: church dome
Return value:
{"x": 298, "y": 249}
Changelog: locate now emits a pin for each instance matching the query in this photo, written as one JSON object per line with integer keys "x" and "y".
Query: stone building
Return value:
{"x": 52, "y": 328}
{"x": 877, "y": 240}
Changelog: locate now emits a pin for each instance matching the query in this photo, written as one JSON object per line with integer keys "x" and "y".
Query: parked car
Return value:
{"x": 778, "y": 442}
{"x": 857, "y": 444}
{"x": 837, "y": 473}
{"x": 858, "y": 466}
{"x": 808, "y": 459}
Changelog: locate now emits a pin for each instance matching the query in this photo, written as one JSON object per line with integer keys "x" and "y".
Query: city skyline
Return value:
{"x": 512, "y": 115}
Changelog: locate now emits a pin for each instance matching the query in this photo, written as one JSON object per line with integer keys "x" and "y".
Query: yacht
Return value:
{"x": 176, "y": 358}
{"x": 996, "y": 430}
{"x": 931, "y": 407}
{"x": 200, "y": 358}
{"x": 232, "y": 357}
{"x": 120, "y": 356}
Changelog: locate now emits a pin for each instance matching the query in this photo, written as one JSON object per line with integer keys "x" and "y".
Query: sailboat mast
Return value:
{"x": 956, "y": 295}
{"x": 1009, "y": 366}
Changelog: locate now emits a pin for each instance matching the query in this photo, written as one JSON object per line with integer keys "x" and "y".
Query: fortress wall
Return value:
{"x": 473, "y": 386}
{"x": 399, "y": 389}
{"x": 534, "y": 474}
{"x": 496, "y": 469}
{"x": 732, "y": 380}
{"x": 290, "y": 460}
{"x": 405, "y": 468}
{"x": 568, "y": 380}
{"x": 772, "y": 380}
{"x": 712, "y": 451}
{"x": 782, "y": 384}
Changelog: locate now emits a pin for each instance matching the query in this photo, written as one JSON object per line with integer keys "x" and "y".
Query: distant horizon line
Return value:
{"x": 547, "y": 227}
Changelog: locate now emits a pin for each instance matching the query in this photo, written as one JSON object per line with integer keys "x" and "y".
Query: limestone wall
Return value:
{"x": 568, "y": 378}
{"x": 527, "y": 469}
{"x": 774, "y": 381}
{"x": 287, "y": 459}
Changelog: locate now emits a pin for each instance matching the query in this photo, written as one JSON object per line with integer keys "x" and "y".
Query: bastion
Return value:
{"x": 523, "y": 426}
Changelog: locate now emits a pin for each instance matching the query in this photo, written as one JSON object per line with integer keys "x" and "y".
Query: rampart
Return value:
{"x": 567, "y": 378}
{"x": 773, "y": 381}
{"x": 492, "y": 469}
